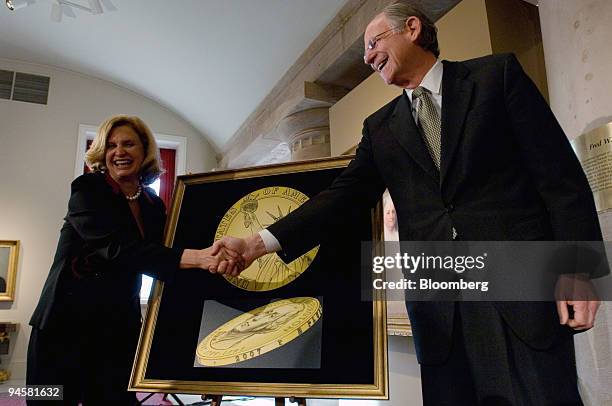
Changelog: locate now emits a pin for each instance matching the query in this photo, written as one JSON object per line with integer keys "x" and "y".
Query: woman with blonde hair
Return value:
{"x": 86, "y": 325}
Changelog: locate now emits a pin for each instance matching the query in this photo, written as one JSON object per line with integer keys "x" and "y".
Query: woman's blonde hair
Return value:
{"x": 96, "y": 155}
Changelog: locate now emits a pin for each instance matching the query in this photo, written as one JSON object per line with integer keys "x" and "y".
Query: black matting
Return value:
{"x": 347, "y": 350}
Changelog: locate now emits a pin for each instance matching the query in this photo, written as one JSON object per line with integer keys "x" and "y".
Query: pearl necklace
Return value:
{"x": 135, "y": 195}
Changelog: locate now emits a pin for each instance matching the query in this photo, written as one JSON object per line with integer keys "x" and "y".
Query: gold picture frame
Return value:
{"x": 9, "y": 259}
{"x": 398, "y": 322}
{"x": 162, "y": 361}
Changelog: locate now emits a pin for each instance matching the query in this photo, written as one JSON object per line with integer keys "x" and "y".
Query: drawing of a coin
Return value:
{"x": 259, "y": 331}
{"x": 249, "y": 215}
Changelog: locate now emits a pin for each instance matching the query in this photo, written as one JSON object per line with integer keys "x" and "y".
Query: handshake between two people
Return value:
{"x": 227, "y": 256}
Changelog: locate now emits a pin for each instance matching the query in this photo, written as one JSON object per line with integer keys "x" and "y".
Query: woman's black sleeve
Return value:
{"x": 104, "y": 229}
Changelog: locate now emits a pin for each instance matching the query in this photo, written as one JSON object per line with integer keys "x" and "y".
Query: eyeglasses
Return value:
{"x": 374, "y": 40}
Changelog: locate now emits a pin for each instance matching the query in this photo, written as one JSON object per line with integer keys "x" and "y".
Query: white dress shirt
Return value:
{"x": 432, "y": 81}
{"x": 270, "y": 241}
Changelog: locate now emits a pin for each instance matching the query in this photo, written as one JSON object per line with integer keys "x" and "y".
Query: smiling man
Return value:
{"x": 469, "y": 151}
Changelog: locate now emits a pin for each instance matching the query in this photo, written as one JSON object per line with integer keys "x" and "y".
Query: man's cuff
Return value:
{"x": 270, "y": 241}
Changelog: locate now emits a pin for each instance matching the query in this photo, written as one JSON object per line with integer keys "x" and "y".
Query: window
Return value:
{"x": 173, "y": 155}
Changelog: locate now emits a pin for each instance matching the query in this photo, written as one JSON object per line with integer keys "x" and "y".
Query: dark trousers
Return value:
{"x": 92, "y": 362}
{"x": 490, "y": 366}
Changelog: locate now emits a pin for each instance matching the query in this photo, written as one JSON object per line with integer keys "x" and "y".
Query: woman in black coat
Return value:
{"x": 86, "y": 325}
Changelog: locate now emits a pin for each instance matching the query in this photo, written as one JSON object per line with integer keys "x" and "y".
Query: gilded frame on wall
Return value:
{"x": 9, "y": 259}
{"x": 353, "y": 350}
{"x": 398, "y": 323}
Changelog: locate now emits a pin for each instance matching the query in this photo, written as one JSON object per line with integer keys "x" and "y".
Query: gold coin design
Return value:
{"x": 248, "y": 216}
{"x": 259, "y": 331}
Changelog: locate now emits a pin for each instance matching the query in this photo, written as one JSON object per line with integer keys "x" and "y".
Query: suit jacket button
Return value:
{"x": 449, "y": 208}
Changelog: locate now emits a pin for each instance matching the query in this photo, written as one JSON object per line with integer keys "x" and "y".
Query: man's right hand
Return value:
{"x": 249, "y": 248}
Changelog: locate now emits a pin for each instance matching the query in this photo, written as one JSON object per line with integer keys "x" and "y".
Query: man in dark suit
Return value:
{"x": 469, "y": 151}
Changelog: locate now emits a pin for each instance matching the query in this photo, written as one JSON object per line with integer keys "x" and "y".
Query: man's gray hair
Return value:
{"x": 399, "y": 11}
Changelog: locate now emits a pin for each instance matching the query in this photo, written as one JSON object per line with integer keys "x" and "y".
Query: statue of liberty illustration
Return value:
{"x": 271, "y": 269}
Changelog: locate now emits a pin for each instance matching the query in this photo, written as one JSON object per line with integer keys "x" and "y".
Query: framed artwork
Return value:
{"x": 298, "y": 329}
{"x": 398, "y": 323}
{"x": 9, "y": 254}
{"x": 351, "y": 151}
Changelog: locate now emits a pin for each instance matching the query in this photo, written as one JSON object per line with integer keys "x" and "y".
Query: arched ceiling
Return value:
{"x": 210, "y": 61}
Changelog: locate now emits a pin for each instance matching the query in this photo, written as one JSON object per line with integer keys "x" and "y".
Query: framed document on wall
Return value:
{"x": 9, "y": 254}
{"x": 298, "y": 329}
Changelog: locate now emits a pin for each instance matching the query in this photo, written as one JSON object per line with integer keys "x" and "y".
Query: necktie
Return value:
{"x": 430, "y": 124}
{"x": 431, "y": 128}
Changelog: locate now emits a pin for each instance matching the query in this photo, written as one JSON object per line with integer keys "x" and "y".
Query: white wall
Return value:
{"x": 37, "y": 153}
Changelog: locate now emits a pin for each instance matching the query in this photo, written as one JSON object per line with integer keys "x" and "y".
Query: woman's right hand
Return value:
{"x": 224, "y": 255}
{"x": 205, "y": 260}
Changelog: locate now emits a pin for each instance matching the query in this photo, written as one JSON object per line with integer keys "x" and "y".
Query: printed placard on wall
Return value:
{"x": 594, "y": 150}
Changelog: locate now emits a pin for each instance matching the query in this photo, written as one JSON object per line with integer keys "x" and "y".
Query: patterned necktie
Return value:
{"x": 431, "y": 127}
{"x": 430, "y": 124}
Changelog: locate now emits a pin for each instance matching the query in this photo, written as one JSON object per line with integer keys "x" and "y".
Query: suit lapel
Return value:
{"x": 406, "y": 132}
{"x": 456, "y": 95}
